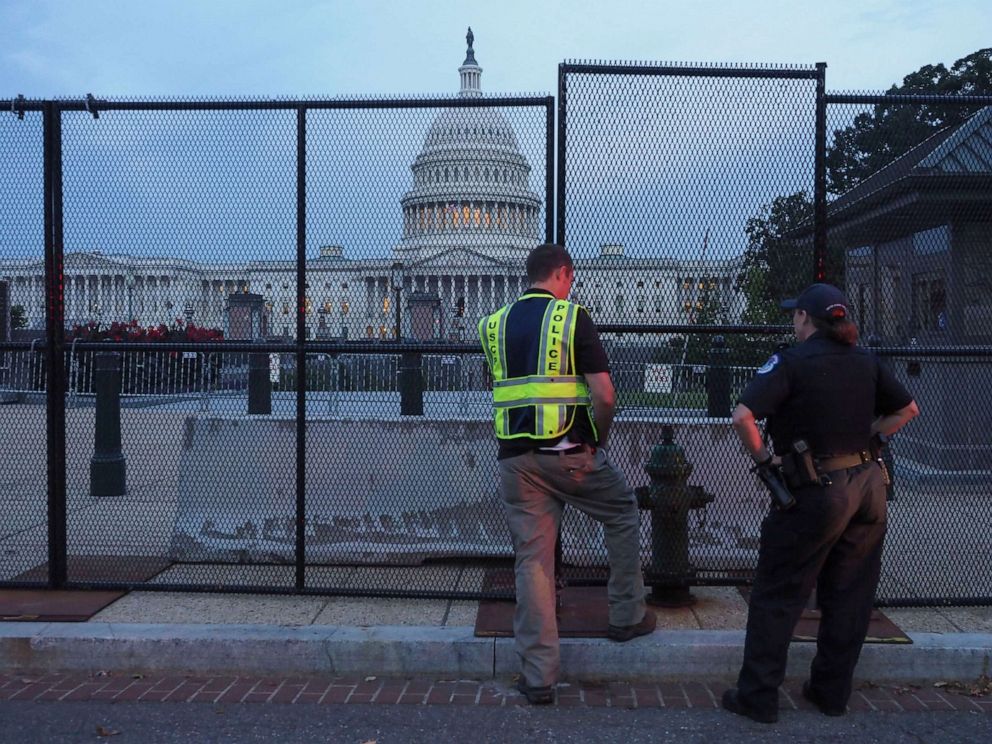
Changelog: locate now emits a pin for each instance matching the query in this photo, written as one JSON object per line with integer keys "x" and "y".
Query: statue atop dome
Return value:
{"x": 470, "y": 52}
{"x": 471, "y": 73}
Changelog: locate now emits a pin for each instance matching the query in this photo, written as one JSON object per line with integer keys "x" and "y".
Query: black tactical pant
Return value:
{"x": 831, "y": 539}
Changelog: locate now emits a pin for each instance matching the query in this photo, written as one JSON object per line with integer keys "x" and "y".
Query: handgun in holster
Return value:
{"x": 877, "y": 447}
{"x": 799, "y": 467}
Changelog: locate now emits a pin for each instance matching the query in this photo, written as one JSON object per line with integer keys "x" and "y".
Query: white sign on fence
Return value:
{"x": 189, "y": 355}
{"x": 657, "y": 378}
{"x": 273, "y": 368}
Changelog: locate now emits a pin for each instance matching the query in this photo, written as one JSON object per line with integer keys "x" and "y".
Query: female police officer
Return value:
{"x": 834, "y": 396}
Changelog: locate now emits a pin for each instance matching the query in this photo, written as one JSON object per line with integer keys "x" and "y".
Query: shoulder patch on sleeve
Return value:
{"x": 768, "y": 366}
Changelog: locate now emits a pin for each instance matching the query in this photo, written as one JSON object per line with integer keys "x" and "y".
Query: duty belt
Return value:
{"x": 830, "y": 463}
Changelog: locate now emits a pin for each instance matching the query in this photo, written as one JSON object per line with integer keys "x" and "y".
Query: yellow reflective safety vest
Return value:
{"x": 550, "y": 392}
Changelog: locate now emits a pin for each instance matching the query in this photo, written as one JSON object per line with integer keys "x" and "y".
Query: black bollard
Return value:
{"x": 411, "y": 384}
{"x": 718, "y": 381}
{"x": 259, "y": 386}
{"x": 107, "y": 466}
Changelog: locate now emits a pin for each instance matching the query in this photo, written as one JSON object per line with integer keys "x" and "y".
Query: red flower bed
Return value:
{"x": 149, "y": 372}
{"x": 116, "y": 331}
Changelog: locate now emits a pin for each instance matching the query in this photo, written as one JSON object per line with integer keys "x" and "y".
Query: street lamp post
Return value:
{"x": 397, "y": 279}
{"x": 410, "y": 374}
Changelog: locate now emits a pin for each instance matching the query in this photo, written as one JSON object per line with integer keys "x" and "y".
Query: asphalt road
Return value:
{"x": 148, "y": 723}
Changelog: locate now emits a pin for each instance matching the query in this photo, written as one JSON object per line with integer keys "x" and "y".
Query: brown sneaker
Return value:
{"x": 621, "y": 633}
{"x": 536, "y": 695}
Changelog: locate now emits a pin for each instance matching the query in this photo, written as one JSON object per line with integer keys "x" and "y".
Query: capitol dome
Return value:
{"x": 471, "y": 184}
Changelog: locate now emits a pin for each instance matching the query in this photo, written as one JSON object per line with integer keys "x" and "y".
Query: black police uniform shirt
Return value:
{"x": 825, "y": 392}
{"x": 523, "y": 339}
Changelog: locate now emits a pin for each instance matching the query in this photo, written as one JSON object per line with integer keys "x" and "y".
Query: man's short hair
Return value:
{"x": 544, "y": 260}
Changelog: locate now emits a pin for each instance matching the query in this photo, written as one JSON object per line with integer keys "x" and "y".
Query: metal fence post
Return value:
{"x": 301, "y": 353}
{"x": 54, "y": 351}
{"x": 820, "y": 177}
{"x": 560, "y": 201}
{"x": 549, "y": 170}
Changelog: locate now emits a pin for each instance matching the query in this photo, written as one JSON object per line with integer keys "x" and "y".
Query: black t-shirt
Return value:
{"x": 825, "y": 392}
{"x": 523, "y": 328}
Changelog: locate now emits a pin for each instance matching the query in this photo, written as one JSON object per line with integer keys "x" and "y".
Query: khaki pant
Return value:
{"x": 535, "y": 488}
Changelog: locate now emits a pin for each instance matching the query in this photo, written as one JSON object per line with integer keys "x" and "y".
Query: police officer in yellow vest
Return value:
{"x": 553, "y": 402}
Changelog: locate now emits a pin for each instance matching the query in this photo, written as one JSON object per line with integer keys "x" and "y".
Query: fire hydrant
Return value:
{"x": 669, "y": 499}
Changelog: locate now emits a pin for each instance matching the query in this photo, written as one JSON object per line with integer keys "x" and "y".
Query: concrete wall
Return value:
{"x": 400, "y": 491}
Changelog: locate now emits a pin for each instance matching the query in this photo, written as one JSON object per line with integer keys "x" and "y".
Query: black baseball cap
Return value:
{"x": 822, "y": 301}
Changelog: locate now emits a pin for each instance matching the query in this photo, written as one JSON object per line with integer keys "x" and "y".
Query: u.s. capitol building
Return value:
{"x": 469, "y": 218}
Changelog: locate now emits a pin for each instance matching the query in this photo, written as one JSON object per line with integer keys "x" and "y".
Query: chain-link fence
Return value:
{"x": 283, "y": 286}
{"x": 672, "y": 185}
{"x": 298, "y": 402}
{"x": 910, "y": 230}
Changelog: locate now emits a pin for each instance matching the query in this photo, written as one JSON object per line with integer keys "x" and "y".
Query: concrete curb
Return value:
{"x": 440, "y": 652}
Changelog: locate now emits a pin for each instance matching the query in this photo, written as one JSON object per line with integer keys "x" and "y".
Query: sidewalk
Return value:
{"x": 271, "y": 636}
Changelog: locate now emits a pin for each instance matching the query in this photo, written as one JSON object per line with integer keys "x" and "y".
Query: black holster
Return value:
{"x": 878, "y": 448}
{"x": 799, "y": 467}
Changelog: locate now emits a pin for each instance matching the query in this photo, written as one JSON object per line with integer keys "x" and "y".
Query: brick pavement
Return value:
{"x": 104, "y": 687}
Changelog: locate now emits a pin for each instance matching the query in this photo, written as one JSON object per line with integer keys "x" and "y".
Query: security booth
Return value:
{"x": 917, "y": 241}
{"x": 245, "y": 316}
{"x": 424, "y": 310}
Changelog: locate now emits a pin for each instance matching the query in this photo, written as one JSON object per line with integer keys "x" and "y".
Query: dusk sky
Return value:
{"x": 221, "y": 187}
{"x": 301, "y": 47}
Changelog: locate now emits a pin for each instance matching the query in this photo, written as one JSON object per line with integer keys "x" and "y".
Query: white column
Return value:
{"x": 67, "y": 289}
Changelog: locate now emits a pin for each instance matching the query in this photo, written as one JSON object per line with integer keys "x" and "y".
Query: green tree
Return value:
{"x": 878, "y": 137}
{"x": 18, "y": 318}
{"x": 708, "y": 311}
{"x": 775, "y": 265}
{"x": 778, "y": 265}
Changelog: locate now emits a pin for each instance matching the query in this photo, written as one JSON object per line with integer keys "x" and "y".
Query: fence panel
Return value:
{"x": 23, "y": 532}
{"x": 909, "y": 218}
{"x": 676, "y": 187}
{"x": 424, "y": 215}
